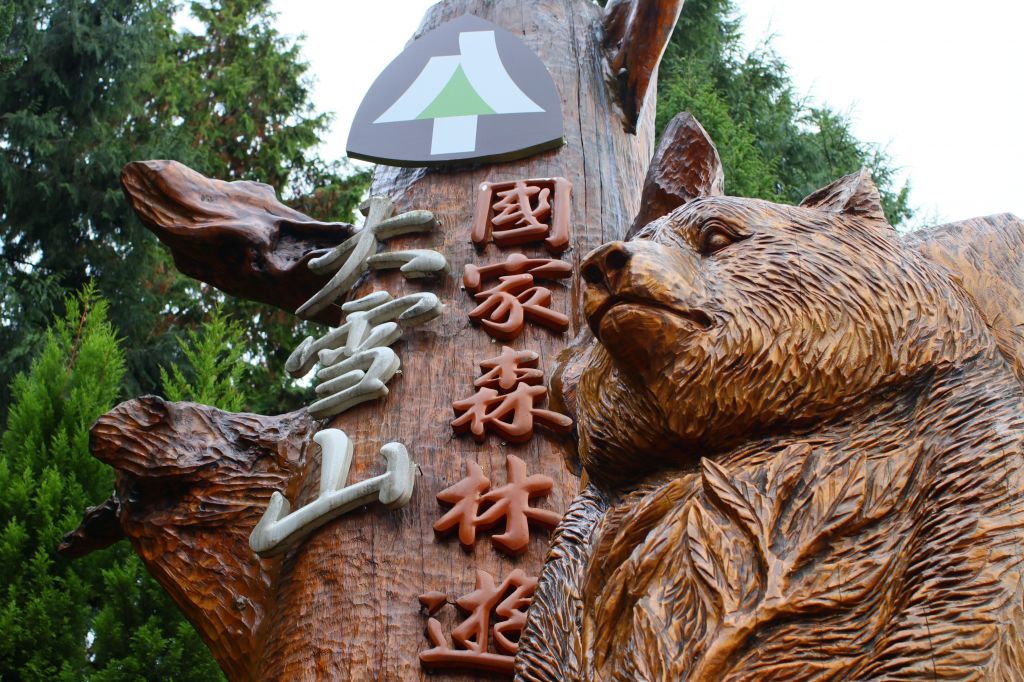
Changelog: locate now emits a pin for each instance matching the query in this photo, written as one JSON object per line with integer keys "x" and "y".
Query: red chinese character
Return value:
{"x": 516, "y": 263}
{"x": 509, "y": 503}
{"x": 466, "y": 497}
{"x": 518, "y": 213}
{"x": 511, "y": 416}
{"x": 510, "y": 368}
{"x": 522, "y": 212}
{"x": 508, "y": 602}
{"x": 504, "y": 309}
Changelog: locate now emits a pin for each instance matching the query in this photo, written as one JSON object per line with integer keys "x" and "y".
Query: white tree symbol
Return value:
{"x": 454, "y": 90}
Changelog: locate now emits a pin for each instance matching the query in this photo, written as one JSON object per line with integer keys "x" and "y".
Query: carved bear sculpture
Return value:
{"x": 801, "y": 437}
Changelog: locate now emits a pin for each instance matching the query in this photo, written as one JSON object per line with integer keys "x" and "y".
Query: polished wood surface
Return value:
{"x": 236, "y": 236}
{"x": 811, "y": 466}
{"x": 636, "y": 34}
{"x": 685, "y": 166}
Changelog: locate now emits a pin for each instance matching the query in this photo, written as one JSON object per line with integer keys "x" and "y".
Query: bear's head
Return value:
{"x": 731, "y": 319}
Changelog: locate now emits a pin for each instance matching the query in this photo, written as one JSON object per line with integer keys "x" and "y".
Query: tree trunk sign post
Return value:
{"x": 742, "y": 440}
{"x": 296, "y": 549}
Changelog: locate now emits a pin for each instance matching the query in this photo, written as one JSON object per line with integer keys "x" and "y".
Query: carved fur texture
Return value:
{"x": 803, "y": 445}
{"x": 191, "y": 483}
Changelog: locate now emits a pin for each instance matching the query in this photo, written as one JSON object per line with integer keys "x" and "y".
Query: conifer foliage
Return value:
{"x": 214, "y": 356}
{"x": 774, "y": 144}
{"x": 114, "y": 81}
{"x": 100, "y": 617}
{"x": 8, "y": 61}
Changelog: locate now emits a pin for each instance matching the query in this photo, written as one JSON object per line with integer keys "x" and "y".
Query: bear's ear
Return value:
{"x": 854, "y": 194}
{"x": 685, "y": 166}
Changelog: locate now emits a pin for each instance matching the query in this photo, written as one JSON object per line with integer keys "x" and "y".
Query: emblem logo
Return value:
{"x": 466, "y": 91}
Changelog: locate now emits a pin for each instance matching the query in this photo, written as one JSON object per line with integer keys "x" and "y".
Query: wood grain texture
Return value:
{"x": 685, "y": 166}
{"x": 345, "y": 603}
{"x": 387, "y": 560}
{"x": 234, "y": 235}
{"x": 191, "y": 483}
{"x": 636, "y": 35}
{"x": 812, "y": 467}
{"x": 986, "y": 257}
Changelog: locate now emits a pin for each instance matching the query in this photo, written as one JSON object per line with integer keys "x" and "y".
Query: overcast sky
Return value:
{"x": 939, "y": 84}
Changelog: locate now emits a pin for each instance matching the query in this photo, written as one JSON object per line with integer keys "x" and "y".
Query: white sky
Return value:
{"x": 940, "y": 84}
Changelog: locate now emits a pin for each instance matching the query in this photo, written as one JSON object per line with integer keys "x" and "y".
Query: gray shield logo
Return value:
{"x": 467, "y": 91}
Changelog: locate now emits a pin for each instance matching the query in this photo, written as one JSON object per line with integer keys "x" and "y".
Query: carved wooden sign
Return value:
{"x": 467, "y": 90}
{"x": 801, "y": 431}
{"x": 330, "y": 596}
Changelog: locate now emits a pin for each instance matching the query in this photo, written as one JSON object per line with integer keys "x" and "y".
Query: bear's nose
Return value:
{"x": 604, "y": 263}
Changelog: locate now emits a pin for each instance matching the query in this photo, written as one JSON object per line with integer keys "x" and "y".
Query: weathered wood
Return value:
{"x": 385, "y": 561}
{"x": 344, "y": 604}
{"x": 811, "y": 466}
{"x": 234, "y": 235}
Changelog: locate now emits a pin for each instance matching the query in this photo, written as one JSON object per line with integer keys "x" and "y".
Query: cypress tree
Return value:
{"x": 215, "y": 366}
{"x": 101, "y": 616}
{"x": 774, "y": 145}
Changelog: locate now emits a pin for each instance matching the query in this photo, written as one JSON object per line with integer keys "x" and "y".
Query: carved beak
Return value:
{"x": 235, "y": 236}
{"x": 99, "y": 529}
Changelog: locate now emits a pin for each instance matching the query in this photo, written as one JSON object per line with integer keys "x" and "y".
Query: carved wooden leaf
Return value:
{"x": 834, "y": 502}
{"x": 784, "y": 471}
{"x": 705, "y": 543}
{"x": 888, "y": 482}
{"x": 736, "y": 497}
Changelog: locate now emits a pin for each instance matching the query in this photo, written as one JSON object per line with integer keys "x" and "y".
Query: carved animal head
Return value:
{"x": 730, "y": 319}
{"x": 234, "y": 235}
{"x": 191, "y": 483}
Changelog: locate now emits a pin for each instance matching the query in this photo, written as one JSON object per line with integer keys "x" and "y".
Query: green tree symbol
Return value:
{"x": 454, "y": 90}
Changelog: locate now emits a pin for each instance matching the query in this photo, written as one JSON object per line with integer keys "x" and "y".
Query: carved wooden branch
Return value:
{"x": 636, "y": 34}
{"x": 192, "y": 481}
{"x": 234, "y": 235}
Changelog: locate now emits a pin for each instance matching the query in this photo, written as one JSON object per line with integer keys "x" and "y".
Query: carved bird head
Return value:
{"x": 191, "y": 483}
{"x": 234, "y": 235}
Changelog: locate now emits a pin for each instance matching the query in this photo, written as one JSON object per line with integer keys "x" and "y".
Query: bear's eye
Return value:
{"x": 714, "y": 236}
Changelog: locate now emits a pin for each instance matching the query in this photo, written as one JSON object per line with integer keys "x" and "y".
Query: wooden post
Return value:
{"x": 344, "y": 603}
{"x": 360, "y": 576}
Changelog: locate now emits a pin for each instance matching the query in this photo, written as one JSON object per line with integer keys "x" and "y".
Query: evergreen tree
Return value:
{"x": 100, "y": 617}
{"x": 239, "y": 92}
{"x": 215, "y": 364}
{"x": 8, "y": 62}
{"x": 65, "y": 130}
{"x": 111, "y": 82}
{"x": 773, "y": 145}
